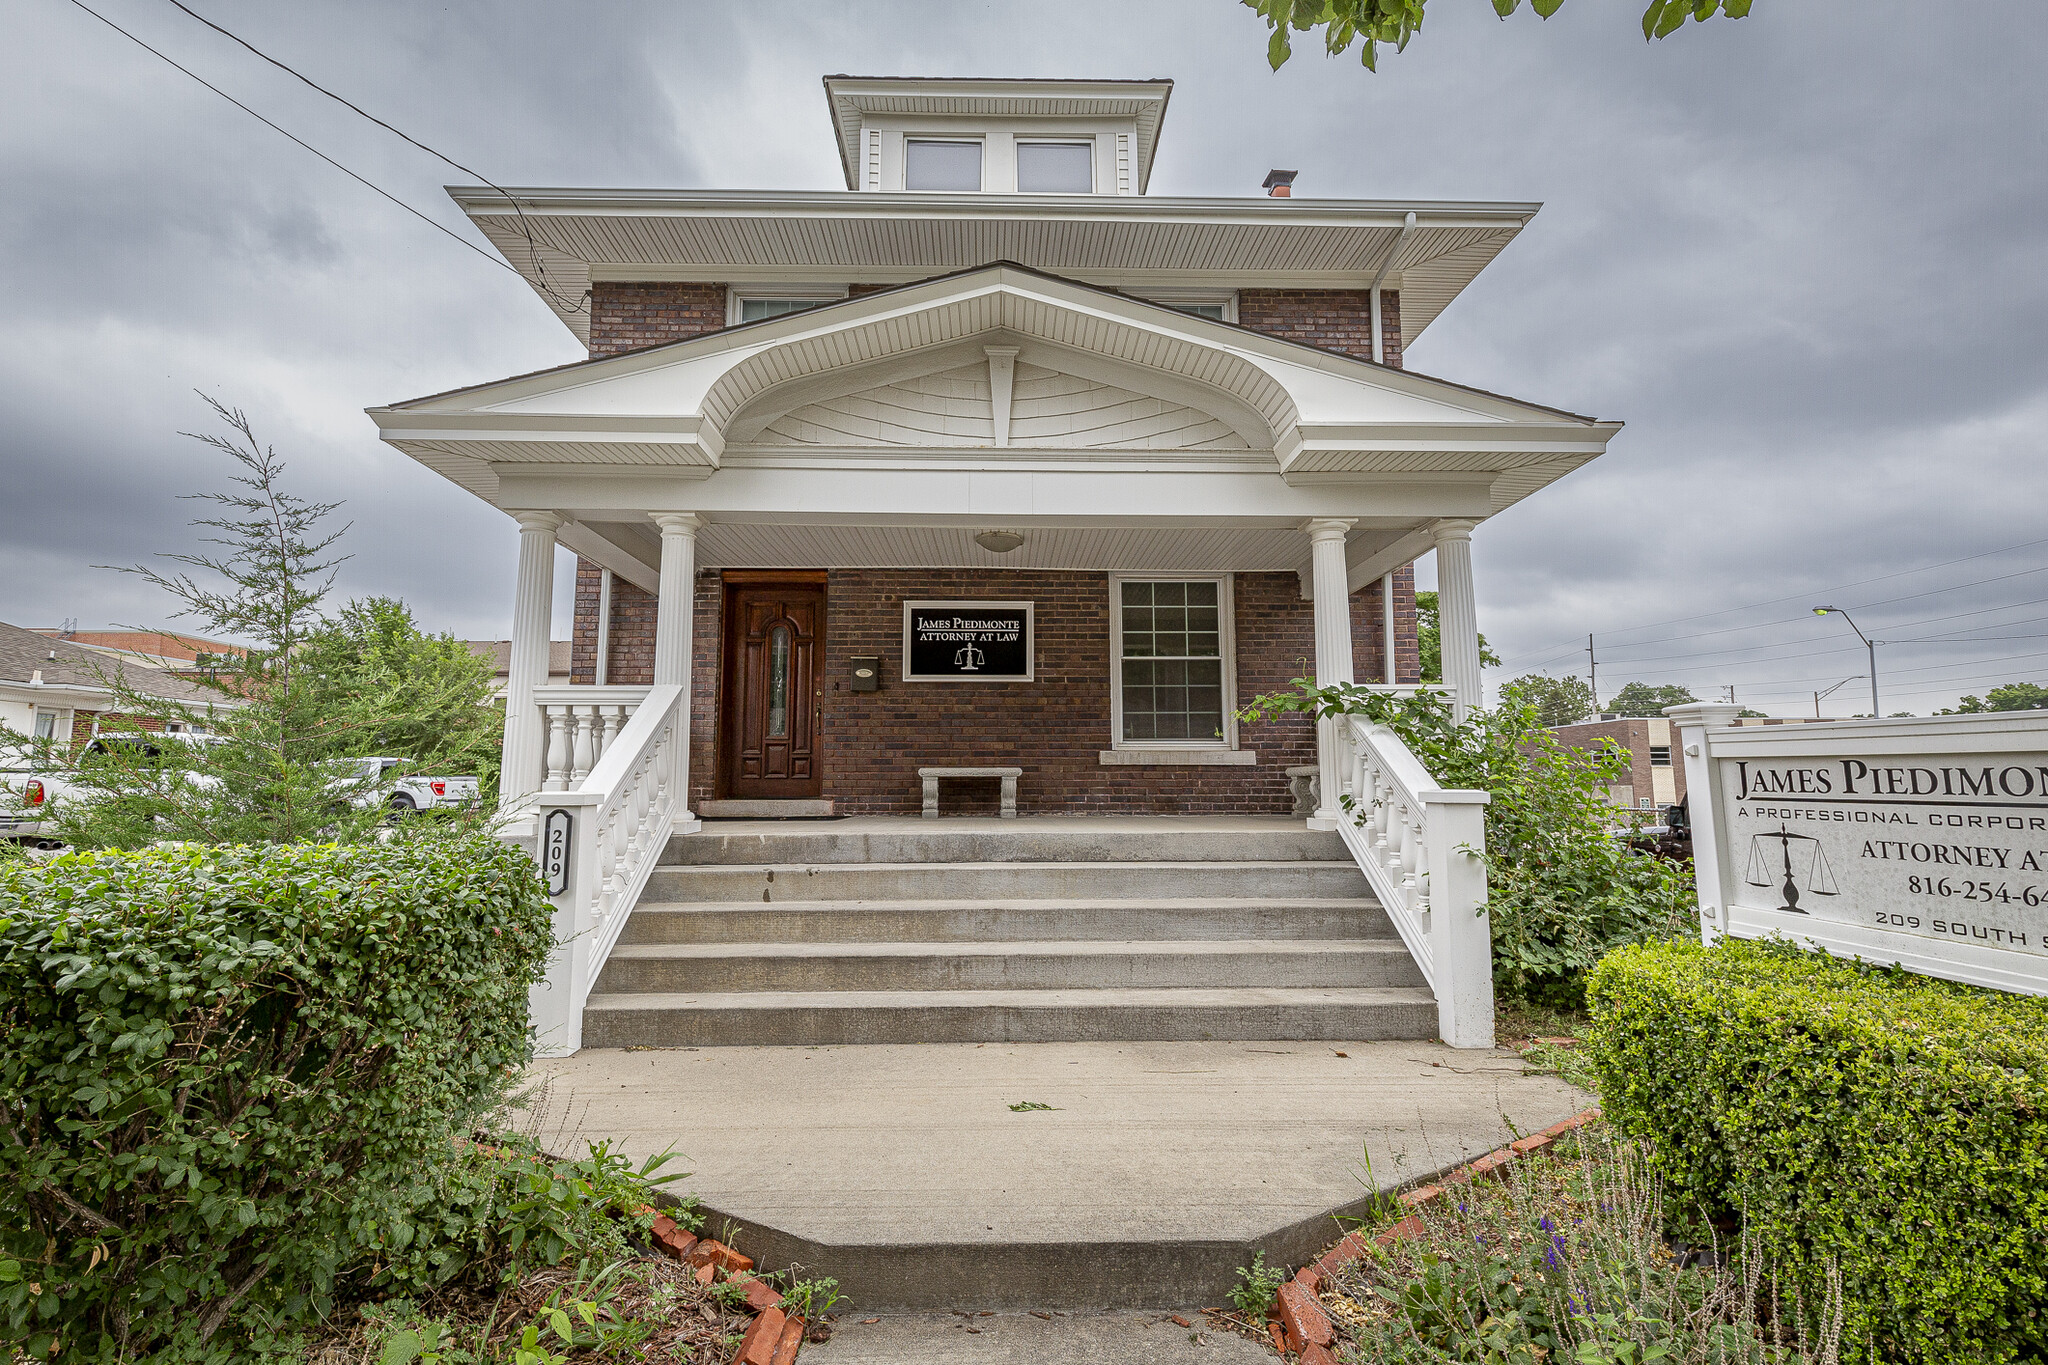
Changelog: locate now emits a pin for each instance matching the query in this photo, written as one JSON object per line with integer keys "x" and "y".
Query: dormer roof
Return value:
{"x": 858, "y": 102}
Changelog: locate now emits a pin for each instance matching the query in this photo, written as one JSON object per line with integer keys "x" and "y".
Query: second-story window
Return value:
{"x": 935, "y": 164}
{"x": 1055, "y": 168}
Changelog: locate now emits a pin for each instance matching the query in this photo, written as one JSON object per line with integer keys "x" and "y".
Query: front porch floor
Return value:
{"x": 902, "y": 1171}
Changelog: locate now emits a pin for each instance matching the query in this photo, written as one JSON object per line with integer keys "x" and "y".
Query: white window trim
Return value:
{"x": 1226, "y": 621}
{"x": 1049, "y": 139}
{"x": 903, "y": 159}
{"x": 1176, "y": 297}
{"x": 736, "y": 294}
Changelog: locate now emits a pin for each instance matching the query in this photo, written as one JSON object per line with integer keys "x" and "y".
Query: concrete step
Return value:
{"x": 990, "y": 920}
{"x": 823, "y": 1018}
{"x": 1056, "y": 965}
{"x": 1013, "y": 881}
{"x": 1048, "y": 840}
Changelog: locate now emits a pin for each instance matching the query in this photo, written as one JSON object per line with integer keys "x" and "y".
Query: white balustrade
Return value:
{"x": 579, "y": 725}
{"x": 1423, "y": 850}
{"x": 613, "y": 760}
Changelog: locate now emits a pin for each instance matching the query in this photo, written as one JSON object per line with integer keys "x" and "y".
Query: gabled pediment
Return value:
{"x": 1048, "y": 409}
{"x": 998, "y": 358}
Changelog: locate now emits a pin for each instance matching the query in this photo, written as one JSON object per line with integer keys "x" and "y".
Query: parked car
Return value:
{"x": 27, "y": 795}
{"x": 409, "y": 793}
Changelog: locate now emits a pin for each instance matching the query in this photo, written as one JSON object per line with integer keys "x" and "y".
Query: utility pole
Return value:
{"x": 1594, "y": 662}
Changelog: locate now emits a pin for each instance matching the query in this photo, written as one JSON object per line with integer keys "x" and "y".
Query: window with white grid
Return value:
{"x": 1173, "y": 662}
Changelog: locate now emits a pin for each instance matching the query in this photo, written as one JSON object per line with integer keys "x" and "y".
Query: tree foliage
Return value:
{"x": 1372, "y": 22}
{"x": 390, "y": 689}
{"x": 1558, "y": 701}
{"x": 2014, "y": 696}
{"x": 1642, "y": 699}
{"x": 1562, "y": 889}
{"x": 306, "y": 691}
{"x": 1429, "y": 637}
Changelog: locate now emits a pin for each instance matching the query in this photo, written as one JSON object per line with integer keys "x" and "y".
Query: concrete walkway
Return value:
{"x": 1159, "y": 1168}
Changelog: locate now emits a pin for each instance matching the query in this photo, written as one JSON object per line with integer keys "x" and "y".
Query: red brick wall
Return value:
{"x": 1053, "y": 727}
{"x": 627, "y": 317}
{"x": 1335, "y": 319}
{"x": 1368, "y": 638}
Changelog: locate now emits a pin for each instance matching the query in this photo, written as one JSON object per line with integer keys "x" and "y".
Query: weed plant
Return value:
{"x": 1564, "y": 1259}
{"x": 1258, "y": 1285}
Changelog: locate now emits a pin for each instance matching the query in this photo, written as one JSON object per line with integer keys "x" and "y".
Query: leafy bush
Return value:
{"x": 1894, "y": 1125}
{"x": 213, "y": 1052}
{"x": 1561, "y": 889}
{"x": 483, "y": 1212}
{"x": 1564, "y": 1258}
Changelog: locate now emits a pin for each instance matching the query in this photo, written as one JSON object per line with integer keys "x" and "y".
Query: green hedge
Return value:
{"x": 1890, "y": 1124}
{"x": 212, "y": 1053}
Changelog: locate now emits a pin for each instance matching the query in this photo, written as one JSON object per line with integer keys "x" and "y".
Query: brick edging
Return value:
{"x": 1299, "y": 1323}
{"x": 774, "y": 1337}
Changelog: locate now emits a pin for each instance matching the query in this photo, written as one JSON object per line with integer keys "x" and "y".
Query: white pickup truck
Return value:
{"x": 27, "y": 795}
{"x": 408, "y": 793}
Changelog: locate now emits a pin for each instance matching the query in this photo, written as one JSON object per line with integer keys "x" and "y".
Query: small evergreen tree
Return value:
{"x": 260, "y": 763}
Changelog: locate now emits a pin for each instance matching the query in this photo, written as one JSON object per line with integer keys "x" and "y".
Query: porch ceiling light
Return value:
{"x": 999, "y": 542}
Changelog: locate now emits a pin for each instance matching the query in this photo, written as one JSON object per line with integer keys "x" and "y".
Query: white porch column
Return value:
{"x": 674, "y": 634}
{"x": 1458, "y": 613}
{"x": 533, "y": 609}
{"x": 1328, "y": 576}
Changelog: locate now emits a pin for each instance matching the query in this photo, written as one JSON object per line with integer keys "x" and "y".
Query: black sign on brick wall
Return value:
{"x": 967, "y": 642}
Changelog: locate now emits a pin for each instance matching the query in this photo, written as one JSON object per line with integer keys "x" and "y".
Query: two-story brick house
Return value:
{"x": 993, "y": 461}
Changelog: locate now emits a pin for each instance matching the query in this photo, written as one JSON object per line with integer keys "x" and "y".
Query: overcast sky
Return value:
{"x": 1801, "y": 255}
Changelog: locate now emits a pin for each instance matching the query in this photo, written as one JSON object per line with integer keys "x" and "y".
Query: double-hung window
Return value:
{"x": 1173, "y": 685}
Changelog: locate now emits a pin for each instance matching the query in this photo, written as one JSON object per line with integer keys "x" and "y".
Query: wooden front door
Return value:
{"x": 774, "y": 642}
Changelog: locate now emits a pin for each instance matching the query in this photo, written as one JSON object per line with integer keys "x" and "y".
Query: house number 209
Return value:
{"x": 554, "y": 856}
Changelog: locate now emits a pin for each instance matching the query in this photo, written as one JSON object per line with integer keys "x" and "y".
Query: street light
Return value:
{"x": 1868, "y": 644}
{"x": 1819, "y": 697}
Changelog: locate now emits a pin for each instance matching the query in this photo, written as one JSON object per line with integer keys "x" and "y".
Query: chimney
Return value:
{"x": 1279, "y": 184}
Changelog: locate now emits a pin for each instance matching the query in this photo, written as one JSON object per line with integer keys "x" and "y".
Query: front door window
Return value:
{"x": 778, "y": 683}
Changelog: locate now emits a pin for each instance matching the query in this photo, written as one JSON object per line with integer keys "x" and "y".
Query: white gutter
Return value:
{"x": 1379, "y": 344}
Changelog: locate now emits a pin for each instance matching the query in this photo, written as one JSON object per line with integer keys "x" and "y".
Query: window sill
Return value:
{"x": 1178, "y": 758}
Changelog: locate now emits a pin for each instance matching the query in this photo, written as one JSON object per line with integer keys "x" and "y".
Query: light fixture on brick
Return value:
{"x": 999, "y": 542}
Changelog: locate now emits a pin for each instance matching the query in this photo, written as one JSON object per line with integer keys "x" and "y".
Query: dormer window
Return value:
{"x": 941, "y": 164}
{"x": 1055, "y": 167}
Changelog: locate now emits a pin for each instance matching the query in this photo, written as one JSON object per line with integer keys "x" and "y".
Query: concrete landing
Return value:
{"x": 901, "y": 1170}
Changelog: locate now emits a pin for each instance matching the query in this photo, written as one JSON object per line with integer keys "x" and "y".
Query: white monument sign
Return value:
{"x": 1917, "y": 842}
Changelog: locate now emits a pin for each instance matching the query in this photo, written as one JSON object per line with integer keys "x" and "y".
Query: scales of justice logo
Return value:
{"x": 969, "y": 659}
{"x": 1798, "y": 858}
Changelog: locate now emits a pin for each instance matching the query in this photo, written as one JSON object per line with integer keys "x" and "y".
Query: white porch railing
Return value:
{"x": 581, "y": 724}
{"x": 619, "y": 811}
{"x": 1423, "y": 849}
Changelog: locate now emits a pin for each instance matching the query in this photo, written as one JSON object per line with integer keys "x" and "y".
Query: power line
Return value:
{"x": 1902, "y": 573}
{"x": 525, "y": 229}
{"x": 444, "y": 231}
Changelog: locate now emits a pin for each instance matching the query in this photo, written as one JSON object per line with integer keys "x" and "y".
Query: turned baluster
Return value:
{"x": 614, "y": 717}
{"x": 584, "y": 750}
{"x": 560, "y": 754}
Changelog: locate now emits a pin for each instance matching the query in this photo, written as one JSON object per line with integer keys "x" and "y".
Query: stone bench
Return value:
{"x": 931, "y": 776}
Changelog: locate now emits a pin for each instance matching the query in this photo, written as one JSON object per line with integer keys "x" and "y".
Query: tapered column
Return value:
{"x": 533, "y": 609}
{"x": 1457, "y": 615}
{"x": 1329, "y": 577}
{"x": 674, "y": 632}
